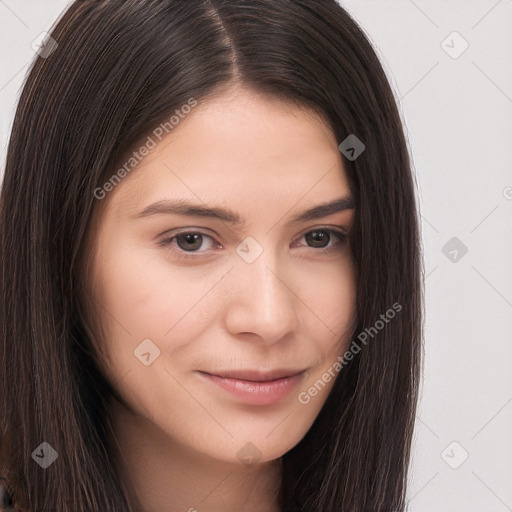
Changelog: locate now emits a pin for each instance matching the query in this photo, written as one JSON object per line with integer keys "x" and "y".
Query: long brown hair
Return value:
{"x": 120, "y": 68}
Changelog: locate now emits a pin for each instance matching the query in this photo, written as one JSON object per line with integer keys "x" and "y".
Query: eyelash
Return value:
{"x": 167, "y": 243}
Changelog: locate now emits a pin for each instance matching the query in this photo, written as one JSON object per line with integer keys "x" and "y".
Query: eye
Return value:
{"x": 188, "y": 243}
{"x": 319, "y": 237}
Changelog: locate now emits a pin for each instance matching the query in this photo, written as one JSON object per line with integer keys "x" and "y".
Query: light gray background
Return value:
{"x": 458, "y": 117}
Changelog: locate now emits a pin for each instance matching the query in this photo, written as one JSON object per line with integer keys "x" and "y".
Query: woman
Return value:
{"x": 274, "y": 365}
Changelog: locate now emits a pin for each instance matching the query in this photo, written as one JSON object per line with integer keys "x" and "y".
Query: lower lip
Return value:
{"x": 257, "y": 393}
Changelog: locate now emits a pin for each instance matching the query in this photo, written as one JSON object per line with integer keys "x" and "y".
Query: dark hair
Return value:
{"x": 120, "y": 69}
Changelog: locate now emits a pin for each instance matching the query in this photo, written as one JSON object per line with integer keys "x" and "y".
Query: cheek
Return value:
{"x": 142, "y": 296}
{"x": 335, "y": 304}
{"x": 330, "y": 295}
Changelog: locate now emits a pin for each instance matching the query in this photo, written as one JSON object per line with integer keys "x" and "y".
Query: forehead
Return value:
{"x": 239, "y": 148}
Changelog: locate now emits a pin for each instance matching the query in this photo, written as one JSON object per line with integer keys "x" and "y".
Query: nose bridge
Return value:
{"x": 264, "y": 300}
{"x": 263, "y": 271}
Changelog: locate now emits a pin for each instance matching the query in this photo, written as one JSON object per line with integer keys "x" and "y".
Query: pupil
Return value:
{"x": 317, "y": 236}
{"x": 190, "y": 239}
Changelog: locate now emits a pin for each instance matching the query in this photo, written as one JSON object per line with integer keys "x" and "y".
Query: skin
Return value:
{"x": 179, "y": 435}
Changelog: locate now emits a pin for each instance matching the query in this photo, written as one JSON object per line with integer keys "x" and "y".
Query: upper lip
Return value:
{"x": 256, "y": 375}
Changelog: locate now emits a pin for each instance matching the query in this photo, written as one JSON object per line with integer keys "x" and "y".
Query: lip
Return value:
{"x": 256, "y": 387}
{"x": 256, "y": 375}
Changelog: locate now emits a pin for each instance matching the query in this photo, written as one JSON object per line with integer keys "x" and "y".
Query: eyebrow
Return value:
{"x": 188, "y": 209}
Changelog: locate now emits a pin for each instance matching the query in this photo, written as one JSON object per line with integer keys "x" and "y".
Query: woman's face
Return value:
{"x": 186, "y": 299}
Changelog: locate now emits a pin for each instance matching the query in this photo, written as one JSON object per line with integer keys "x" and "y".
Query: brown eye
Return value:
{"x": 189, "y": 241}
{"x": 321, "y": 237}
{"x": 318, "y": 238}
{"x": 189, "y": 244}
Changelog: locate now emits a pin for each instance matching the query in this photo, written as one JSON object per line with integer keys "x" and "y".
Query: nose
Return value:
{"x": 261, "y": 299}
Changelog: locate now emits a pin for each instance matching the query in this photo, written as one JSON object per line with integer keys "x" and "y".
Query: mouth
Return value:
{"x": 256, "y": 375}
{"x": 254, "y": 386}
